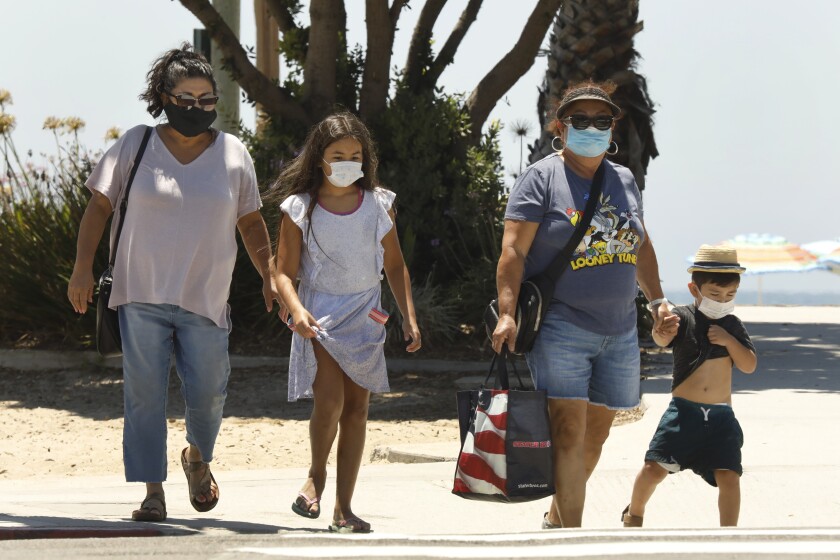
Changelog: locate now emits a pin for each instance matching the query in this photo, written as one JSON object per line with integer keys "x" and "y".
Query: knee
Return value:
{"x": 597, "y": 434}
{"x": 569, "y": 436}
{"x": 652, "y": 472}
{"x": 355, "y": 411}
{"x": 327, "y": 408}
{"x": 205, "y": 396}
{"x": 727, "y": 480}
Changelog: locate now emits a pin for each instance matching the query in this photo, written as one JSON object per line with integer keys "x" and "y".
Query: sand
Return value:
{"x": 69, "y": 423}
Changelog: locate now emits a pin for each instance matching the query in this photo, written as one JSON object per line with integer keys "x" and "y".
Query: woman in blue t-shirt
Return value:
{"x": 586, "y": 355}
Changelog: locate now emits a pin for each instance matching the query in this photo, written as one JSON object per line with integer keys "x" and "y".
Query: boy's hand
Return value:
{"x": 718, "y": 335}
{"x": 665, "y": 323}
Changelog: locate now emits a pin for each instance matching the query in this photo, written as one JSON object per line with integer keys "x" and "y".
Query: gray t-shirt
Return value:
{"x": 597, "y": 291}
{"x": 178, "y": 243}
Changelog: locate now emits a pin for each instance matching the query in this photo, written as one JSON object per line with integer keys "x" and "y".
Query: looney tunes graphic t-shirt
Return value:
{"x": 597, "y": 291}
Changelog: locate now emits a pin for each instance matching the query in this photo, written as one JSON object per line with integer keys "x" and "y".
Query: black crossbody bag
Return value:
{"x": 108, "y": 339}
{"x": 536, "y": 292}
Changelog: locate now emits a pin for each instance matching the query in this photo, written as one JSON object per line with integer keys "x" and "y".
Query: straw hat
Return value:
{"x": 716, "y": 258}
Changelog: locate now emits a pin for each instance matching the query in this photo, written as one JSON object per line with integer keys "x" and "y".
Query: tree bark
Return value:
{"x": 276, "y": 100}
{"x": 447, "y": 53}
{"x": 420, "y": 48}
{"x": 327, "y": 20}
{"x": 281, "y": 14}
{"x": 381, "y": 23}
{"x": 593, "y": 39}
{"x": 512, "y": 66}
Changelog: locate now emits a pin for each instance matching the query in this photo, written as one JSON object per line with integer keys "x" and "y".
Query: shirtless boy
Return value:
{"x": 699, "y": 430}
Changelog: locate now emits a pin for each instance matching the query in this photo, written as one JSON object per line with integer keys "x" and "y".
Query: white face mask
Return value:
{"x": 344, "y": 173}
{"x": 715, "y": 309}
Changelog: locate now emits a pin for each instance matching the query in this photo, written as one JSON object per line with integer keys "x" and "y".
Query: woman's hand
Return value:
{"x": 412, "y": 333}
{"x": 80, "y": 287}
{"x": 665, "y": 322}
{"x": 80, "y": 290}
{"x": 270, "y": 295}
{"x": 505, "y": 333}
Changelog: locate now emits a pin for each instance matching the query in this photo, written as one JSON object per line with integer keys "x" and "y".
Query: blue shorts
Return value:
{"x": 573, "y": 363}
{"x": 702, "y": 437}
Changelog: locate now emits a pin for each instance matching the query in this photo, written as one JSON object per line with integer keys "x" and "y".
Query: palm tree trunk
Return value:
{"x": 594, "y": 39}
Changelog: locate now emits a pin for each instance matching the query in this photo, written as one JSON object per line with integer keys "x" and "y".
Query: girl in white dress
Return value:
{"x": 336, "y": 236}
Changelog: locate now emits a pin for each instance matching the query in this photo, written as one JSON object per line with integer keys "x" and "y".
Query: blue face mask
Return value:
{"x": 590, "y": 142}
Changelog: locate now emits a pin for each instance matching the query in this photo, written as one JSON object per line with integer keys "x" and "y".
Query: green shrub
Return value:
{"x": 40, "y": 211}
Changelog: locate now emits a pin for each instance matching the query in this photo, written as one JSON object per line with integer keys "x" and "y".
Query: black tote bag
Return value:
{"x": 506, "y": 453}
{"x": 108, "y": 339}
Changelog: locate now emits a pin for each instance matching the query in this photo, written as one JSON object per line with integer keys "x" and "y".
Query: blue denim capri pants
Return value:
{"x": 573, "y": 363}
{"x": 151, "y": 334}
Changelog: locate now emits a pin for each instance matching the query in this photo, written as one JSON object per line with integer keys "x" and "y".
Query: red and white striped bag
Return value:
{"x": 506, "y": 453}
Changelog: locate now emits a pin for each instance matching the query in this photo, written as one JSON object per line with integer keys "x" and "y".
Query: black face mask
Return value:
{"x": 189, "y": 121}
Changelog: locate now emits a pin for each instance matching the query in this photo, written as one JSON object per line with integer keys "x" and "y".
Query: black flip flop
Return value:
{"x": 306, "y": 511}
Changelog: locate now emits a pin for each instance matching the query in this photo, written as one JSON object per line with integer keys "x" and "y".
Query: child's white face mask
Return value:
{"x": 715, "y": 309}
{"x": 344, "y": 173}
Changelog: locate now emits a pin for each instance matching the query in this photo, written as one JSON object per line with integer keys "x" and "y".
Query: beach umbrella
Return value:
{"x": 766, "y": 254}
{"x": 827, "y": 252}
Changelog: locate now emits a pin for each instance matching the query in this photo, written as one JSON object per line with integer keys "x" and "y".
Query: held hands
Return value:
{"x": 718, "y": 335}
{"x": 80, "y": 290}
{"x": 412, "y": 333}
{"x": 665, "y": 323}
{"x": 505, "y": 333}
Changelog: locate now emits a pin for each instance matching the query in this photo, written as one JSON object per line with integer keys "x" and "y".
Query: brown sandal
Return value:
{"x": 201, "y": 487}
{"x": 153, "y": 508}
{"x": 630, "y": 520}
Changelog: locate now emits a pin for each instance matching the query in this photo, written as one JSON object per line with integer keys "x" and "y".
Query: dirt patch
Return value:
{"x": 70, "y": 422}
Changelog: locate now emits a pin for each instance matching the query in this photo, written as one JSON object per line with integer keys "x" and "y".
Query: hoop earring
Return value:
{"x": 552, "y": 144}
{"x": 612, "y": 143}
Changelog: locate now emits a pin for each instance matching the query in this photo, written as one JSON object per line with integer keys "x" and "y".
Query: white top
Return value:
{"x": 178, "y": 243}
{"x": 342, "y": 253}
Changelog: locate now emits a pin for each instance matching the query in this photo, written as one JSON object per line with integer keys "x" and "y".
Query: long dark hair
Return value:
{"x": 170, "y": 68}
{"x": 304, "y": 174}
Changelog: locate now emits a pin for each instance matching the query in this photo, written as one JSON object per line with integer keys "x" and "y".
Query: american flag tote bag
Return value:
{"x": 506, "y": 453}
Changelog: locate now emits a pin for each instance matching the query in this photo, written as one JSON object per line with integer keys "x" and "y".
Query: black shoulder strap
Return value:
{"x": 124, "y": 203}
{"x": 561, "y": 261}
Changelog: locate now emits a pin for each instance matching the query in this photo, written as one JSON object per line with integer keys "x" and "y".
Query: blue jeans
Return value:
{"x": 572, "y": 363}
{"x": 150, "y": 334}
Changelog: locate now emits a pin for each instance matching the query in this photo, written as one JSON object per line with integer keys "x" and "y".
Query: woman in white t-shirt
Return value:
{"x": 194, "y": 187}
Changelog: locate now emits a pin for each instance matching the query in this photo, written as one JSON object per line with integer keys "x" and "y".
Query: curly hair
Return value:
{"x": 304, "y": 174}
{"x": 171, "y": 67}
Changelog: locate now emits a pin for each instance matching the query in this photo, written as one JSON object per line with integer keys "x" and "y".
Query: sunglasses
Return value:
{"x": 582, "y": 122}
{"x": 187, "y": 100}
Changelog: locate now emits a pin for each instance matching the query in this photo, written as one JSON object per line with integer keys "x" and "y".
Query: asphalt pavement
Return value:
{"x": 789, "y": 410}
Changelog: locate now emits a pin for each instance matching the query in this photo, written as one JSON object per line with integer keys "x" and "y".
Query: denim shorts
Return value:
{"x": 572, "y": 363}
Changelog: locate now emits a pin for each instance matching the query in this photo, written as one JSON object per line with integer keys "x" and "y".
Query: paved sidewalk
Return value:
{"x": 789, "y": 410}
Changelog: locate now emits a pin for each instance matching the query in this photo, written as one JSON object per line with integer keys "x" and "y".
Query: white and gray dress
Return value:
{"x": 340, "y": 285}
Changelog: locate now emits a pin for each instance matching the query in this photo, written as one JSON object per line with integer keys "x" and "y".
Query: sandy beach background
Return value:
{"x": 67, "y": 422}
